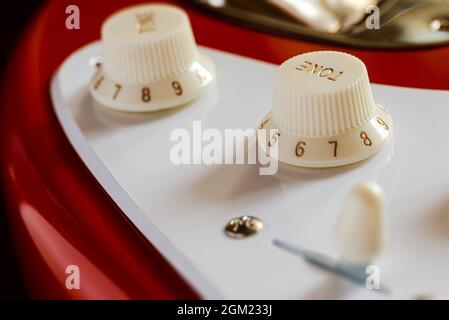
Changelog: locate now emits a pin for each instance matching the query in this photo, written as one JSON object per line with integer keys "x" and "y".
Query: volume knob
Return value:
{"x": 150, "y": 60}
{"x": 324, "y": 111}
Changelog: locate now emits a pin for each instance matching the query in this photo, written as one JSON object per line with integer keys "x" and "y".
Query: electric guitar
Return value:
{"x": 93, "y": 192}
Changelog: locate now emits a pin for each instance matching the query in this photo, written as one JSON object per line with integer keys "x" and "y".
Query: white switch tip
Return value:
{"x": 361, "y": 227}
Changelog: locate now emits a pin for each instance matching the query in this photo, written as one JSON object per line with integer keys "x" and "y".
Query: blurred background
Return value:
{"x": 12, "y": 23}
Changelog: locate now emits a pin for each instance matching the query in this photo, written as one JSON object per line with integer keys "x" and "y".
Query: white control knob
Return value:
{"x": 150, "y": 60}
{"x": 324, "y": 112}
{"x": 361, "y": 227}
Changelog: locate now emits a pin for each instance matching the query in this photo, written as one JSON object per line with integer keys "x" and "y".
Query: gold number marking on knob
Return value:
{"x": 177, "y": 87}
{"x": 335, "y": 143}
{"x": 146, "y": 94}
{"x": 366, "y": 140}
{"x": 382, "y": 123}
{"x": 274, "y": 139}
{"x": 118, "y": 88}
{"x": 98, "y": 83}
{"x": 262, "y": 125}
{"x": 299, "y": 150}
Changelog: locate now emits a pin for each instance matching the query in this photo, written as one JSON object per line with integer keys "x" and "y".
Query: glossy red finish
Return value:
{"x": 58, "y": 212}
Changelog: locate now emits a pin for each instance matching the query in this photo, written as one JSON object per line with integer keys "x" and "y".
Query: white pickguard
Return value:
{"x": 183, "y": 209}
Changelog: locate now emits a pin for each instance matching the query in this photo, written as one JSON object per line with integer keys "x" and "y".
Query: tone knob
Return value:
{"x": 324, "y": 112}
{"x": 150, "y": 60}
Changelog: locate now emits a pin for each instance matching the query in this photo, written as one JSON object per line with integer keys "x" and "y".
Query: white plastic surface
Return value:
{"x": 183, "y": 209}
